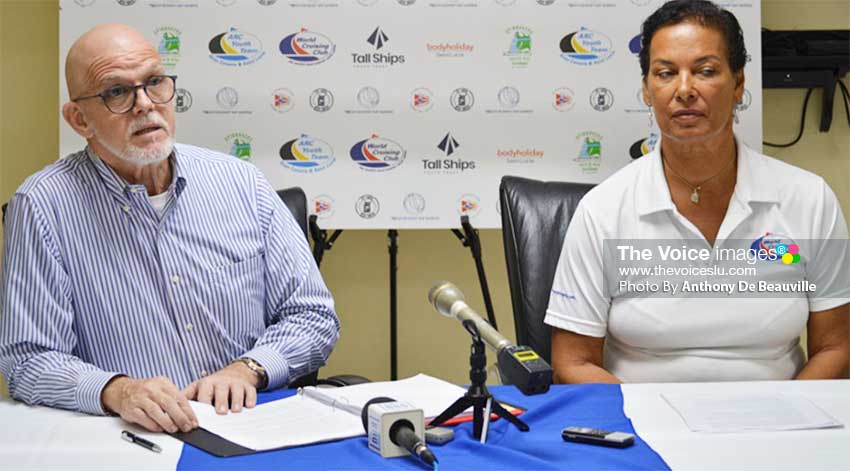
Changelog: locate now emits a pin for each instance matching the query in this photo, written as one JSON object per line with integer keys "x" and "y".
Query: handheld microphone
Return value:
{"x": 394, "y": 429}
{"x": 519, "y": 365}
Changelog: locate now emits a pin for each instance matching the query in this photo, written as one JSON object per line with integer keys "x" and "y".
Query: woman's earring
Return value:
{"x": 650, "y": 118}
{"x": 735, "y": 115}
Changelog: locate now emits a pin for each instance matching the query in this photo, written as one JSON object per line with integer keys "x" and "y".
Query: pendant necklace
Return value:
{"x": 697, "y": 187}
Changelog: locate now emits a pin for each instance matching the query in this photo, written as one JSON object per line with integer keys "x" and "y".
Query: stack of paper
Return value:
{"x": 301, "y": 419}
{"x": 725, "y": 413}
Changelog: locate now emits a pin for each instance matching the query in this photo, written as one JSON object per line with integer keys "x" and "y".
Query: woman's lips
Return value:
{"x": 688, "y": 115}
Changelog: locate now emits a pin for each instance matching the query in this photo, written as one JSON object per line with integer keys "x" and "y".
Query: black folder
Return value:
{"x": 212, "y": 443}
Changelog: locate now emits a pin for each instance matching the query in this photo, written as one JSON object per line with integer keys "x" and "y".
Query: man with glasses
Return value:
{"x": 138, "y": 266}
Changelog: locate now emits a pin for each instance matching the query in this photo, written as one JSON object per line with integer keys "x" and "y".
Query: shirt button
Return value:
{"x": 126, "y": 208}
{"x": 189, "y": 326}
{"x": 204, "y": 372}
{"x": 175, "y": 279}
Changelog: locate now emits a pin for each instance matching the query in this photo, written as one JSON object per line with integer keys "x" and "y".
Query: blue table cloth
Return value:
{"x": 542, "y": 448}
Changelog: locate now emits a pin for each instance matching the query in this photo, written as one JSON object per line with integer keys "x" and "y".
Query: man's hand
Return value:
{"x": 154, "y": 403}
{"x": 231, "y": 387}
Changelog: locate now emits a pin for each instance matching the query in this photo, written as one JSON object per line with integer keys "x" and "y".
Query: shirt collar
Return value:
{"x": 653, "y": 194}
{"x": 117, "y": 185}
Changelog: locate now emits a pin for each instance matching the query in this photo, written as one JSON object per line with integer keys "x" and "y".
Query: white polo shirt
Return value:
{"x": 684, "y": 338}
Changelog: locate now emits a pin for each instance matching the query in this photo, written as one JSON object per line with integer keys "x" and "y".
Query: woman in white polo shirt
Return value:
{"x": 703, "y": 186}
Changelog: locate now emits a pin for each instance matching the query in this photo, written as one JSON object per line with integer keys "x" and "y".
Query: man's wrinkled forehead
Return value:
{"x": 124, "y": 68}
{"x": 108, "y": 51}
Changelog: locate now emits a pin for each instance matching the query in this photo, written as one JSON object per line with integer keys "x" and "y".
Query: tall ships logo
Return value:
{"x": 235, "y": 48}
{"x": 306, "y": 154}
{"x": 307, "y": 48}
{"x": 169, "y": 46}
{"x": 586, "y": 47}
{"x": 448, "y": 146}
{"x": 377, "y": 154}
{"x": 378, "y": 39}
{"x": 643, "y": 146}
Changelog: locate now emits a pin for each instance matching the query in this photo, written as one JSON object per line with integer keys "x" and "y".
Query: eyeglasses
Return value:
{"x": 120, "y": 99}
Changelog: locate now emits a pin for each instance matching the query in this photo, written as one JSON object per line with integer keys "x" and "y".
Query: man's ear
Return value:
{"x": 74, "y": 117}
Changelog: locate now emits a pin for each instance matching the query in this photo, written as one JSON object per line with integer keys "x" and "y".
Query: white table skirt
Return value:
{"x": 39, "y": 438}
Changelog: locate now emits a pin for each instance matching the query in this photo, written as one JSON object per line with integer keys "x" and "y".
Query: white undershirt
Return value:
{"x": 158, "y": 202}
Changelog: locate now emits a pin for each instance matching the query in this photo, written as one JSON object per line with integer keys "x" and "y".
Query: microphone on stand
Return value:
{"x": 395, "y": 428}
{"x": 519, "y": 365}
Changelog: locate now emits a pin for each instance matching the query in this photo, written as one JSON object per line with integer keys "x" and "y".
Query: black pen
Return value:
{"x": 133, "y": 438}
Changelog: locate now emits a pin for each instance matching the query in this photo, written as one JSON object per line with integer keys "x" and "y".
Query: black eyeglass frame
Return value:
{"x": 135, "y": 93}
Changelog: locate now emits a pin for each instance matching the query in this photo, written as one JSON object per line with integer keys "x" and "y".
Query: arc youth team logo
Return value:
{"x": 235, "y": 48}
{"x": 377, "y": 154}
{"x": 643, "y": 146}
{"x": 586, "y": 47}
{"x": 306, "y": 154}
{"x": 307, "y": 48}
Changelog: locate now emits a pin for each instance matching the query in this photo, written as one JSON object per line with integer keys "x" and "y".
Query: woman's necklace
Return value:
{"x": 695, "y": 188}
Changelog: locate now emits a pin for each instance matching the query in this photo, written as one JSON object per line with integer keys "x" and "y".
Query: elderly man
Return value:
{"x": 138, "y": 266}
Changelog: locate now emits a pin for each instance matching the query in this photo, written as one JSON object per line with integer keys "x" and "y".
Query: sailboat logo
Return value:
{"x": 235, "y": 48}
{"x": 377, "y": 38}
{"x": 448, "y": 145}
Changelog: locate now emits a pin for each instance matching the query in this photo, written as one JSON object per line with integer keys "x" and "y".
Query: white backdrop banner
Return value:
{"x": 407, "y": 113}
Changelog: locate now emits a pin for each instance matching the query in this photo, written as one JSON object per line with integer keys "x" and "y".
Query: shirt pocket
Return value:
{"x": 237, "y": 293}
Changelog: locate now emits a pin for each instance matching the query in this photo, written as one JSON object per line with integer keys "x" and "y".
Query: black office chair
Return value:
{"x": 535, "y": 216}
{"x": 296, "y": 201}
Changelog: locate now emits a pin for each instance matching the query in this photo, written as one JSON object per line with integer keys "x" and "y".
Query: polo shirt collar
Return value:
{"x": 752, "y": 185}
{"x": 652, "y": 193}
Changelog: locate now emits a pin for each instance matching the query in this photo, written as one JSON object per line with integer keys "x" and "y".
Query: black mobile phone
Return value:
{"x": 594, "y": 436}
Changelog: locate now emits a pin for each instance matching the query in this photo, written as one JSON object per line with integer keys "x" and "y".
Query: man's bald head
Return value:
{"x": 100, "y": 48}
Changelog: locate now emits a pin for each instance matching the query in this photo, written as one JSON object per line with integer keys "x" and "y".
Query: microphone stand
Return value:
{"x": 469, "y": 238}
{"x": 478, "y": 396}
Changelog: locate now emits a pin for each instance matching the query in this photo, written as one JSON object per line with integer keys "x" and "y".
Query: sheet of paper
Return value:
{"x": 284, "y": 423}
{"x": 301, "y": 420}
{"x": 430, "y": 394}
{"x": 729, "y": 413}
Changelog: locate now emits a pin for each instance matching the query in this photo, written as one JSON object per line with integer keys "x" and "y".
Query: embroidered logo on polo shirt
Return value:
{"x": 774, "y": 247}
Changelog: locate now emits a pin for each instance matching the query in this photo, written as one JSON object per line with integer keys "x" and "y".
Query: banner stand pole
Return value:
{"x": 470, "y": 239}
{"x": 392, "y": 236}
{"x": 321, "y": 241}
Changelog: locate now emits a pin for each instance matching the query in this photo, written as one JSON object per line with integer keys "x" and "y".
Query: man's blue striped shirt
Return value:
{"x": 95, "y": 283}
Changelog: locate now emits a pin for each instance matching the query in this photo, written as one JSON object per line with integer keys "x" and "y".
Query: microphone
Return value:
{"x": 518, "y": 365}
{"x": 393, "y": 429}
